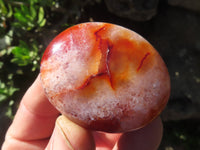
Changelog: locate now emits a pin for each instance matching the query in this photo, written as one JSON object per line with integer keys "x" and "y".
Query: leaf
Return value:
{"x": 10, "y": 11}
{"x": 21, "y": 61}
{"x": 42, "y": 23}
{"x": 2, "y": 98}
{"x": 3, "y": 9}
{"x": 33, "y": 12}
{"x": 24, "y": 55}
{"x": 26, "y": 17}
{"x": 23, "y": 44}
{"x": 21, "y": 54}
{"x": 9, "y": 37}
{"x": 40, "y": 15}
{"x": 1, "y": 64}
{"x": 30, "y": 25}
{"x": 9, "y": 50}
{"x": 2, "y": 52}
{"x": 9, "y": 112}
{"x": 34, "y": 1}
{"x": 7, "y": 90}
{"x": 19, "y": 16}
{"x": 25, "y": 10}
{"x": 16, "y": 24}
{"x": 12, "y": 90}
{"x": 3, "y": 89}
{"x": 20, "y": 51}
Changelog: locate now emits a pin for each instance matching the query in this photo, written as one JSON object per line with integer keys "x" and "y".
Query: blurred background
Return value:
{"x": 171, "y": 26}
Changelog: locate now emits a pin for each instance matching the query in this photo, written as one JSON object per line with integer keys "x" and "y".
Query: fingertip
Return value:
{"x": 35, "y": 117}
{"x": 147, "y": 138}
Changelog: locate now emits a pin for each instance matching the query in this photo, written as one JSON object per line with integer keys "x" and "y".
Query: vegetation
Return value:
{"x": 21, "y": 21}
{"x": 24, "y": 29}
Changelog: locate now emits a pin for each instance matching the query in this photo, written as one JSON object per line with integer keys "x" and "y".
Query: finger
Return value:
{"x": 105, "y": 141}
{"x": 147, "y": 138}
{"x": 15, "y": 144}
{"x": 35, "y": 118}
{"x": 70, "y": 136}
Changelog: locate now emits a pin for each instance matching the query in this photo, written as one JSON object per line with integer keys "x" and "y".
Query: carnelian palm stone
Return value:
{"x": 105, "y": 77}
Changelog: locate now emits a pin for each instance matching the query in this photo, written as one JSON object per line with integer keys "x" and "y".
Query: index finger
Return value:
{"x": 35, "y": 118}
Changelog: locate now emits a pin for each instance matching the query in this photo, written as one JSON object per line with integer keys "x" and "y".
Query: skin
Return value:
{"x": 38, "y": 125}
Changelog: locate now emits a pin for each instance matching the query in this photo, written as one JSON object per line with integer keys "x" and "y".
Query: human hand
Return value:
{"x": 34, "y": 128}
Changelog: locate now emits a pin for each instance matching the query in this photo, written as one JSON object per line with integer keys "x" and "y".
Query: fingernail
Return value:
{"x": 59, "y": 139}
{"x": 71, "y": 136}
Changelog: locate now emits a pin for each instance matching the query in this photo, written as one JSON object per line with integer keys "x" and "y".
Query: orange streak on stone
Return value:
{"x": 115, "y": 60}
{"x": 103, "y": 46}
{"x": 142, "y": 61}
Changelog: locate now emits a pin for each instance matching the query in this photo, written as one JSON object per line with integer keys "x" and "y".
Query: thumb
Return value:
{"x": 70, "y": 136}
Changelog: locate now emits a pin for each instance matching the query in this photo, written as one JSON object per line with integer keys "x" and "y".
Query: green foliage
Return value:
{"x": 7, "y": 89}
{"x": 6, "y": 13}
{"x": 9, "y": 112}
{"x": 25, "y": 54}
{"x": 23, "y": 24}
{"x": 21, "y": 21}
{"x": 29, "y": 16}
{"x": 6, "y": 92}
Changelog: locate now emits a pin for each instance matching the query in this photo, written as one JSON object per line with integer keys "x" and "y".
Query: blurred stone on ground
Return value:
{"x": 188, "y": 4}
{"x": 139, "y": 10}
{"x": 175, "y": 33}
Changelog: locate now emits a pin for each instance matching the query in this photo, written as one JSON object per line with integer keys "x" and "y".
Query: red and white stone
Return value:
{"x": 105, "y": 77}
